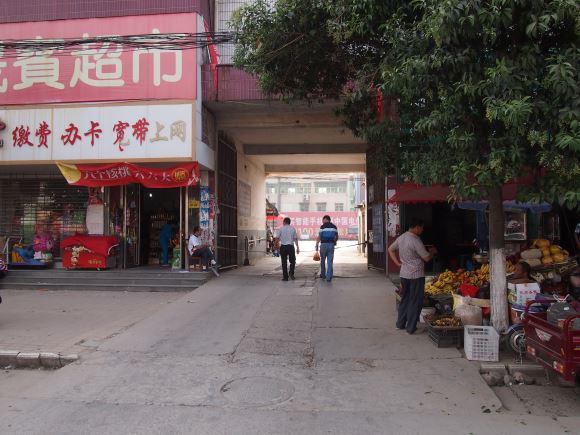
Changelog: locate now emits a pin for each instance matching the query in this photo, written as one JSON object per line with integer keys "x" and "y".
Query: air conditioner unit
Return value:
{"x": 306, "y": 198}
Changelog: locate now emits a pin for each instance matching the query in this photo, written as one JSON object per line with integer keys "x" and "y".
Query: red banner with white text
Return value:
{"x": 308, "y": 224}
{"x": 119, "y": 174}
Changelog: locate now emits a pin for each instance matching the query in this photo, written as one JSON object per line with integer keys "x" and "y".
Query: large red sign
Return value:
{"x": 308, "y": 224}
{"x": 118, "y": 174}
{"x": 103, "y": 71}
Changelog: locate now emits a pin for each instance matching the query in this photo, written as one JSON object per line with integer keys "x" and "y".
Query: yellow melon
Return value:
{"x": 555, "y": 249}
{"x": 542, "y": 243}
{"x": 558, "y": 258}
{"x": 547, "y": 260}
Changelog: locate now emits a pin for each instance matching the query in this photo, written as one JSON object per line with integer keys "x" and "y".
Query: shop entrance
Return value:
{"x": 158, "y": 208}
{"x": 137, "y": 216}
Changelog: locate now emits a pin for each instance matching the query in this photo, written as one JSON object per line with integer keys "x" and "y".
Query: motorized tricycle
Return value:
{"x": 556, "y": 346}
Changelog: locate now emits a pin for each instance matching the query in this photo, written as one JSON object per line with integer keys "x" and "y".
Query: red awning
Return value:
{"x": 412, "y": 193}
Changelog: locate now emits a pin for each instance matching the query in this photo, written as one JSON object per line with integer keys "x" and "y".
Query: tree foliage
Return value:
{"x": 487, "y": 91}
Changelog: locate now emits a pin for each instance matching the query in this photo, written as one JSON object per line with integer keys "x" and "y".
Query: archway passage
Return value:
{"x": 263, "y": 144}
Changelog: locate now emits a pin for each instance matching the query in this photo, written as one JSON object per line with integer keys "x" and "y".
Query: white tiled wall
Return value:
{"x": 224, "y": 11}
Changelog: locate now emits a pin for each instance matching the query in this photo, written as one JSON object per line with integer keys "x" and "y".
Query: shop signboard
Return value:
{"x": 106, "y": 132}
{"x": 120, "y": 174}
{"x": 95, "y": 70}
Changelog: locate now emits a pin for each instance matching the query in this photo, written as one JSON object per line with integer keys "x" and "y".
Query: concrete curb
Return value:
{"x": 34, "y": 360}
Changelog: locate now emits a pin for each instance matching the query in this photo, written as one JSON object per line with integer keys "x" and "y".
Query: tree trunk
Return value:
{"x": 499, "y": 308}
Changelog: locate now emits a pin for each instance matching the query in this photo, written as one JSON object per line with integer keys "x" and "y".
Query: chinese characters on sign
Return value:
{"x": 159, "y": 131}
{"x": 117, "y": 174}
{"x": 97, "y": 70}
{"x": 71, "y": 135}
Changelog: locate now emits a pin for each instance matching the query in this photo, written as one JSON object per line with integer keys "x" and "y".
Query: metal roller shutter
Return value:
{"x": 52, "y": 206}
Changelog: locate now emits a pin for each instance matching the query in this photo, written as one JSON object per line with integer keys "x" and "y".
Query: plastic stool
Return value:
{"x": 195, "y": 262}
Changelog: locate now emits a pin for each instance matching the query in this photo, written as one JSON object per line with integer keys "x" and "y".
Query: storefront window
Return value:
{"x": 515, "y": 225}
{"x": 551, "y": 226}
{"x": 37, "y": 214}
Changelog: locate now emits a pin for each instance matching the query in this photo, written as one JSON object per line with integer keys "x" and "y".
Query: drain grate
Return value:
{"x": 257, "y": 391}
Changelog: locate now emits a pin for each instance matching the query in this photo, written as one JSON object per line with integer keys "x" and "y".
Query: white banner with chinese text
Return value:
{"x": 109, "y": 133}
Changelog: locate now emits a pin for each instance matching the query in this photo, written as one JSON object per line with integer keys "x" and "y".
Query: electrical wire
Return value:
{"x": 13, "y": 48}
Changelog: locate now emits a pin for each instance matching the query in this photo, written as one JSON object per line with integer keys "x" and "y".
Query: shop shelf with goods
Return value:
{"x": 156, "y": 222}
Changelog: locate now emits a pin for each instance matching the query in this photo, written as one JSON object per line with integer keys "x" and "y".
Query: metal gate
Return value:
{"x": 227, "y": 198}
{"x": 49, "y": 206}
{"x": 376, "y": 225}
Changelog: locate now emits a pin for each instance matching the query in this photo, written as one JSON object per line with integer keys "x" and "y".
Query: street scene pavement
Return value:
{"x": 247, "y": 353}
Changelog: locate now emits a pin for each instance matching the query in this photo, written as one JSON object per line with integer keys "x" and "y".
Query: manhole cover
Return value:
{"x": 257, "y": 391}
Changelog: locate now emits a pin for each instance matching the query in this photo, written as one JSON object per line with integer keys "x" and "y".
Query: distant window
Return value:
{"x": 320, "y": 206}
{"x": 304, "y": 206}
{"x": 339, "y": 206}
{"x": 291, "y": 190}
{"x": 330, "y": 187}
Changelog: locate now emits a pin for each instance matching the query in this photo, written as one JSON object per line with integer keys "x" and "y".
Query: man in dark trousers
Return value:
{"x": 288, "y": 238}
{"x": 327, "y": 237}
{"x": 411, "y": 259}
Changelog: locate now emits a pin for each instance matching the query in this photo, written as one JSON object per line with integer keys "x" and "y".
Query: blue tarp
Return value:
{"x": 543, "y": 207}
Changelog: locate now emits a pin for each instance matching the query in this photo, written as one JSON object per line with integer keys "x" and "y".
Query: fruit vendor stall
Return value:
{"x": 550, "y": 264}
{"x": 454, "y": 299}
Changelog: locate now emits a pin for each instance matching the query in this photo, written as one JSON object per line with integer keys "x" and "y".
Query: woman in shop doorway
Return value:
{"x": 165, "y": 237}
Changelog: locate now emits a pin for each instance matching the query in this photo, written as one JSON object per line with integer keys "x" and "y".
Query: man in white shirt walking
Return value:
{"x": 288, "y": 237}
{"x": 411, "y": 259}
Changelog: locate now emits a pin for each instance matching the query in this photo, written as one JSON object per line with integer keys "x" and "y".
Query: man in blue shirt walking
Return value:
{"x": 327, "y": 237}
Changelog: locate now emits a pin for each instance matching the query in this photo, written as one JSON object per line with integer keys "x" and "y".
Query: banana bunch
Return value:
{"x": 447, "y": 282}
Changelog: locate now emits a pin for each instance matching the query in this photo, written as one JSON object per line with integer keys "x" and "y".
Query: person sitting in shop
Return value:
{"x": 197, "y": 248}
{"x": 165, "y": 241}
{"x": 522, "y": 271}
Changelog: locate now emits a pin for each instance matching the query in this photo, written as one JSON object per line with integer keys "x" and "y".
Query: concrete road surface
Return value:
{"x": 250, "y": 354}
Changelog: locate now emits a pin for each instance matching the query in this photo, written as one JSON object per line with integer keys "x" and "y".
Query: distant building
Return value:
{"x": 306, "y": 199}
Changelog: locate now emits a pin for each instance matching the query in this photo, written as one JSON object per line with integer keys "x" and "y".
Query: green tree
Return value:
{"x": 487, "y": 91}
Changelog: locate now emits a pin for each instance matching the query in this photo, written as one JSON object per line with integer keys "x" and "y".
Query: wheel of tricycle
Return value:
{"x": 516, "y": 341}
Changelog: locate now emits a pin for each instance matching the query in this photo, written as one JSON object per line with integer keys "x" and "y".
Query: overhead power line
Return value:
{"x": 12, "y": 48}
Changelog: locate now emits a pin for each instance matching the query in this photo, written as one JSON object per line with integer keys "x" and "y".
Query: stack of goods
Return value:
{"x": 542, "y": 253}
{"x": 477, "y": 278}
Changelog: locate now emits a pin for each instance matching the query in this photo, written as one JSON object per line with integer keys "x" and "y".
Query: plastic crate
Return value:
{"x": 446, "y": 337}
{"x": 481, "y": 343}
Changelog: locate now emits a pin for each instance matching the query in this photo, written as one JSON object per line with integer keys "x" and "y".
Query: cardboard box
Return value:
{"x": 522, "y": 292}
